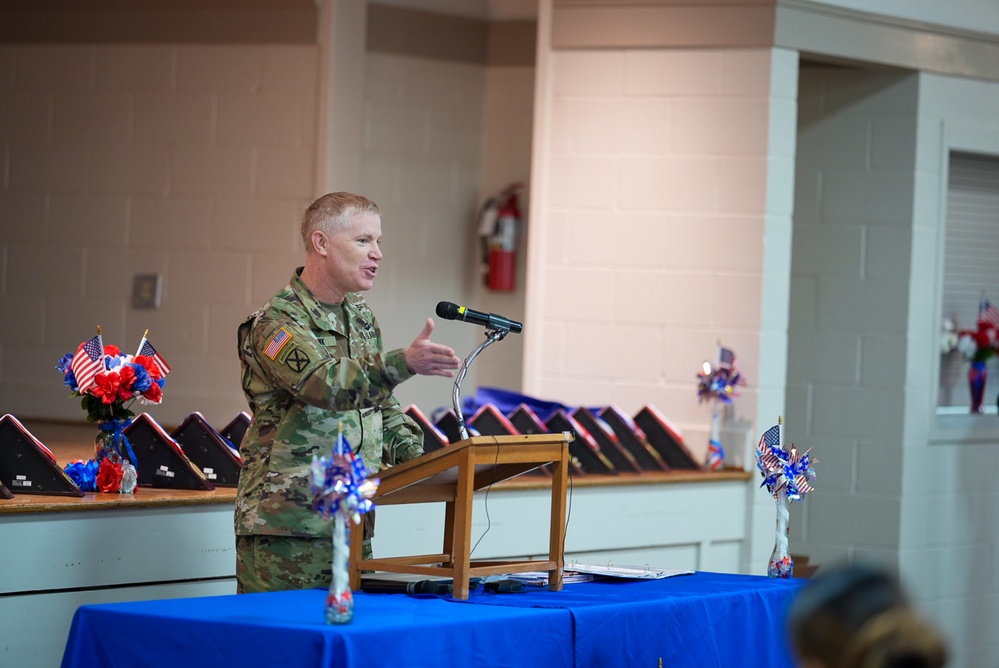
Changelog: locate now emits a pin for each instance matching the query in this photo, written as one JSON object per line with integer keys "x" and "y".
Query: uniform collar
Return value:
{"x": 318, "y": 312}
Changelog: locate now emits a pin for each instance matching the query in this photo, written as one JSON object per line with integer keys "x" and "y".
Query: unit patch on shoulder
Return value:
{"x": 277, "y": 342}
{"x": 297, "y": 360}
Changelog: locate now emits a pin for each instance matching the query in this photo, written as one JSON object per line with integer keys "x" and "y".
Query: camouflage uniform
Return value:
{"x": 308, "y": 367}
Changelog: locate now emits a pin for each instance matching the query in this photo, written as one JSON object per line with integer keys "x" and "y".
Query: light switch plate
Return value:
{"x": 147, "y": 290}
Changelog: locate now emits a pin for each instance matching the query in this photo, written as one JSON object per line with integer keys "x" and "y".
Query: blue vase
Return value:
{"x": 978, "y": 378}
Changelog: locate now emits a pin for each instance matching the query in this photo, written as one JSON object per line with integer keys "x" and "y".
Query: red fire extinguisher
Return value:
{"x": 498, "y": 230}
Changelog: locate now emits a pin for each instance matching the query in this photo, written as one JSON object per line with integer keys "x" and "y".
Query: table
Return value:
{"x": 704, "y": 619}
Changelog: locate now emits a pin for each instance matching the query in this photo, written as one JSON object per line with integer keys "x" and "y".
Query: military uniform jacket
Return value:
{"x": 306, "y": 369}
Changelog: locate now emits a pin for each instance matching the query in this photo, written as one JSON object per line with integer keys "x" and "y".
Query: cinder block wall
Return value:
{"x": 850, "y": 303}
{"x": 667, "y": 182}
{"x": 192, "y": 162}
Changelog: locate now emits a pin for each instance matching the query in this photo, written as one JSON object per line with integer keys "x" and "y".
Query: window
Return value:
{"x": 971, "y": 270}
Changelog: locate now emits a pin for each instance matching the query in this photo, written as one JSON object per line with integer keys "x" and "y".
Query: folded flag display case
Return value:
{"x": 236, "y": 429}
{"x": 488, "y": 421}
{"x": 526, "y": 420}
{"x": 433, "y": 438}
{"x": 209, "y": 450}
{"x": 583, "y": 448}
{"x": 633, "y": 439}
{"x": 666, "y": 439}
{"x": 27, "y": 466}
{"x": 162, "y": 462}
{"x": 448, "y": 424}
{"x": 606, "y": 440}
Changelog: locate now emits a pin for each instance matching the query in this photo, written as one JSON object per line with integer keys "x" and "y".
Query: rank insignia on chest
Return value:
{"x": 277, "y": 342}
{"x": 366, "y": 331}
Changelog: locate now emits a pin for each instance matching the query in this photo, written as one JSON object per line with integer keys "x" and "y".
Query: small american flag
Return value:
{"x": 277, "y": 342}
{"x": 146, "y": 349}
{"x": 726, "y": 358}
{"x": 988, "y": 313}
{"x": 88, "y": 362}
{"x": 769, "y": 440}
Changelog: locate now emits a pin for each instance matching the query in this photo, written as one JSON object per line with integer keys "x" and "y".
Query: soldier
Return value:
{"x": 312, "y": 359}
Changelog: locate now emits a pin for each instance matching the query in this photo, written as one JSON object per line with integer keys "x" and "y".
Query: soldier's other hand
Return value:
{"x": 427, "y": 358}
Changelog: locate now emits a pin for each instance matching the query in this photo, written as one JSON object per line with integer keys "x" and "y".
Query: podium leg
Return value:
{"x": 449, "y": 530}
{"x": 556, "y": 545}
{"x": 462, "y": 527}
{"x": 356, "y": 545}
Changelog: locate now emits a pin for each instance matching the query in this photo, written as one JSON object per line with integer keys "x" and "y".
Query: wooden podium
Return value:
{"x": 452, "y": 474}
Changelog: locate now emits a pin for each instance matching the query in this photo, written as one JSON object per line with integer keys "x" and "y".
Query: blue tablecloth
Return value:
{"x": 706, "y": 619}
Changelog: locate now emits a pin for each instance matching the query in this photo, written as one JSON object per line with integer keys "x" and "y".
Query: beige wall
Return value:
{"x": 192, "y": 162}
{"x": 656, "y": 208}
{"x": 421, "y": 162}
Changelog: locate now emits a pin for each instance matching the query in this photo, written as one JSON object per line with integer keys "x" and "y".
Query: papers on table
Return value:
{"x": 575, "y": 572}
{"x": 629, "y": 572}
{"x": 540, "y": 578}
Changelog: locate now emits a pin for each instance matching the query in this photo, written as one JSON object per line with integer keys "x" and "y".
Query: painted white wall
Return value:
{"x": 862, "y": 363}
{"x": 975, "y": 15}
{"x": 849, "y": 300}
{"x": 950, "y": 503}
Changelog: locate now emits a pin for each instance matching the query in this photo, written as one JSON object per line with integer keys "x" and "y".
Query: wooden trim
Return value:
{"x": 660, "y": 25}
{"x": 158, "y": 21}
{"x": 423, "y": 34}
{"x": 512, "y": 43}
{"x": 411, "y": 32}
{"x": 145, "y": 497}
{"x": 816, "y": 29}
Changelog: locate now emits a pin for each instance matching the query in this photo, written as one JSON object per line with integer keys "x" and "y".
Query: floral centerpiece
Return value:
{"x": 108, "y": 382}
{"x": 977, "y": 346}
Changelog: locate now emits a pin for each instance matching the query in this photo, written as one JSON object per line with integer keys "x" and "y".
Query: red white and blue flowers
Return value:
{"x": 108, "y": 382}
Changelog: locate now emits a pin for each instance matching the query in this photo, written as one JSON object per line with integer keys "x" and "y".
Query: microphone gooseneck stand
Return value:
{"x": 492, "y": 336}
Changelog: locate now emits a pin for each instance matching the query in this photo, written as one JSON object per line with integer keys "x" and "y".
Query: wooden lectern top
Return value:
{"x": 492, "y": 459}
{"x": 452, "y": 475}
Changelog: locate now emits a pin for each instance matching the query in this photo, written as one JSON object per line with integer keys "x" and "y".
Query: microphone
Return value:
{"x": 450, "y": 311}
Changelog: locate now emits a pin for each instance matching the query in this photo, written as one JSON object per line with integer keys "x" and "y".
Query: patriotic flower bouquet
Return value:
{"x": 977, "y": 346}
{"x": 108, "y": 383}
{"x": 343, "y": 491}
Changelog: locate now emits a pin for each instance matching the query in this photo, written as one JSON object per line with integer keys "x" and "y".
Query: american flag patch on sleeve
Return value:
{"x": 277, "y": 342}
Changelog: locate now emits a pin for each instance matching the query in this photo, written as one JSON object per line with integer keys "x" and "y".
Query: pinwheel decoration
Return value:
{"x": 718, "y": 385}
{"x": 787, "y": 475}
{"x": 343, "y": 491}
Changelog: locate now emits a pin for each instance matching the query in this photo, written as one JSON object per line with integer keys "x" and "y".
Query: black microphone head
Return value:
{"x": 447, "y": 310}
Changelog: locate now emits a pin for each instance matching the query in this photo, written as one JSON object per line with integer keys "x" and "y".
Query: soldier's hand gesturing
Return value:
{"x": 427, "y": 358}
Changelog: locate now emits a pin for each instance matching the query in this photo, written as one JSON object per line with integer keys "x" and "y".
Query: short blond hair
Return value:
{"x": 332, "y": 212}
